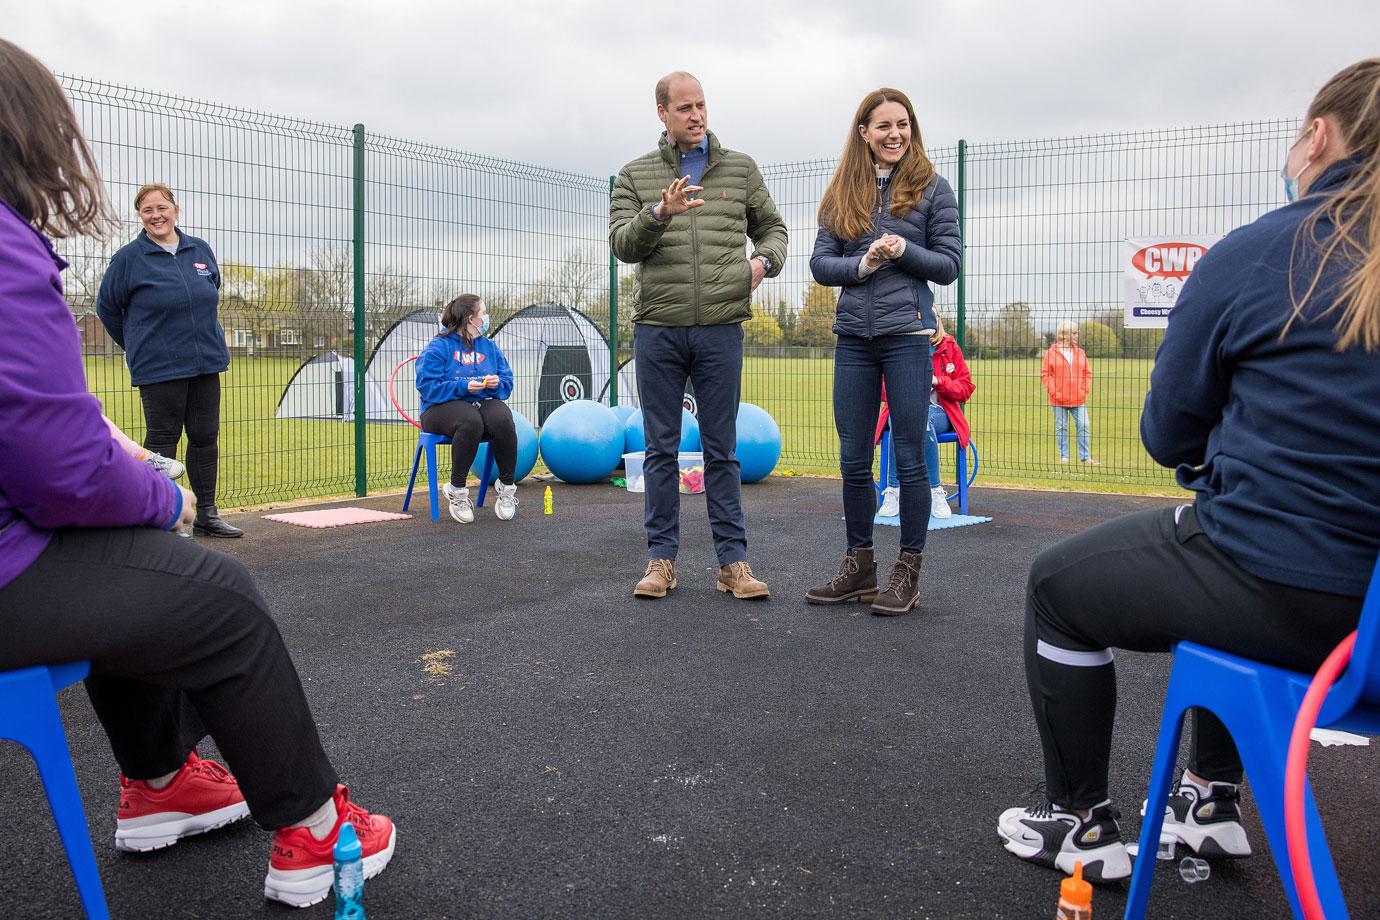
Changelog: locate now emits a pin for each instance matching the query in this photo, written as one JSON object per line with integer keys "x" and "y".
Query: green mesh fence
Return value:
{"x": 303, "y": 307}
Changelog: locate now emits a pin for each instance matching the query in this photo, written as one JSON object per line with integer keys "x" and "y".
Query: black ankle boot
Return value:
{"x": 857, "y": 578}
{"x": 210, "y": 524}
{"x": 902, "y": 591}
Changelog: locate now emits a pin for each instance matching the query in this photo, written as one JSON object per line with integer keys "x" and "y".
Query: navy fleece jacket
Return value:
{"x": 1279, "y": 436}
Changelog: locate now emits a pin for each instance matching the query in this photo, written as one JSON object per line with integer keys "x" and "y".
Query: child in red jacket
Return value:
{"x": 952, "y": 386}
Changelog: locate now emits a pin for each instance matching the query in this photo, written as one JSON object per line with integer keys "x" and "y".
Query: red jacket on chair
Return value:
{"x": 954, "y": 386}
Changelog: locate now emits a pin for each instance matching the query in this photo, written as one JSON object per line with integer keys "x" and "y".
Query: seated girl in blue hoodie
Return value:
{"x": 463, "y": 380}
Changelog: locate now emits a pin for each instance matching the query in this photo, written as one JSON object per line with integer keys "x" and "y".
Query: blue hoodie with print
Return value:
{"x": 447, "y": 365}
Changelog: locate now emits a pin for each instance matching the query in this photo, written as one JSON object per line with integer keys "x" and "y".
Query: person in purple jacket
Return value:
{"x": 463, "y": 380}
{"x": 181, "y": 643}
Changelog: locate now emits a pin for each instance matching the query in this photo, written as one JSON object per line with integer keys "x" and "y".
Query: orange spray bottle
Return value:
{"x": 1075, "y": 897}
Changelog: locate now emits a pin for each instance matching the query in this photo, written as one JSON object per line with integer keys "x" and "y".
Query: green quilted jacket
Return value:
{"x": 693, "y": 269}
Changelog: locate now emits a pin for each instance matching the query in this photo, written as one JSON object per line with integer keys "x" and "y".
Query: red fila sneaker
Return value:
{"x": 301, "y": 869}
{"x": 201, "y": 797}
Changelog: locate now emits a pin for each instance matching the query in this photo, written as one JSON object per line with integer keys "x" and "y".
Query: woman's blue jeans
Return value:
{"x": 1061, "y": 431}
{"x": 859, "y": 367}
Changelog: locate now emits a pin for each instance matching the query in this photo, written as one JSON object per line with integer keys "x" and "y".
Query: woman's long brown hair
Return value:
{"x": 846, "y": 208}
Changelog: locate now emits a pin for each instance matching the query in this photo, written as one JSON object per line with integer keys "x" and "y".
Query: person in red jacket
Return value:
{"x": 952, "y": 387}
{"x": 1067, "y": 377}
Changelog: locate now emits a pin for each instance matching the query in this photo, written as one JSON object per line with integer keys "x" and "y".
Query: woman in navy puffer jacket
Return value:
{"x": 888, "y": 227}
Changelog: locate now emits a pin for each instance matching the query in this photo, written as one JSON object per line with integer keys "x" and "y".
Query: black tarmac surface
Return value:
{"x": 584, "y": 754}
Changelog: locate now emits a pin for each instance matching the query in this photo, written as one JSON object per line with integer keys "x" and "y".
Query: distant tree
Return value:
{"x": 817, "y": 312}
{"x": 253, "y": 297}
{"x": 1140, "y": 343}
{"x": 1098, "y": 340}
{"x": 762, "y": 329}
{"x": 1013, "y": 333}
{"x": 785, "y": 318}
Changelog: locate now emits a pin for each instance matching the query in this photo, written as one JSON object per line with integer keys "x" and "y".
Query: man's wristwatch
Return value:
{"x": 766, "y": 264}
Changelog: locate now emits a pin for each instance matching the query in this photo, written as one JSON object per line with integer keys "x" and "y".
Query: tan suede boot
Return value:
{"x": 660, "y": 578}
{"x": 738, "y": 578}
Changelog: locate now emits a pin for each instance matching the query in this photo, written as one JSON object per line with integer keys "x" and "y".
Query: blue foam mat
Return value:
{"x": 958, "y": 520}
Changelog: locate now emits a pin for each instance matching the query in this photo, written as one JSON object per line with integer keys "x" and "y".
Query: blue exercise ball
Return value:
{"x": 635, "y": 433}
{"x": 623, "y": 411}
{"x": 634, "y": 436}
{"x": 581, "y": 441}
{"x": 689, "y": 433}
{"x": 759, "y": 442}
{"x": 527, "y": 450}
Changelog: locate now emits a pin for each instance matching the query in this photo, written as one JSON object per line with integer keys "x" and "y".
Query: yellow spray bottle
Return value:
{"x": 546, "y": 501}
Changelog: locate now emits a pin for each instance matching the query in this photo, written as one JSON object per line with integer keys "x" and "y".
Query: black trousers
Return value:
{"x": 1143, "y": 582}
{"x": 181, "y": 645}
{"x": 193, "y": 404}
{"x": 467, "y": 424}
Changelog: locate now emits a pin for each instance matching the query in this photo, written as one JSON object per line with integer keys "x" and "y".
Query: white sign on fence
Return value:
{"x": 1154, "y": 271}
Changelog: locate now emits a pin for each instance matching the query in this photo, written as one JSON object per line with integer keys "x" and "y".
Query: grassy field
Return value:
{"x": 265, "y": 460}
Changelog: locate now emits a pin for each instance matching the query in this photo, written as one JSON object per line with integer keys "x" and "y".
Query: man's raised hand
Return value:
{"x": 676, "y": 199}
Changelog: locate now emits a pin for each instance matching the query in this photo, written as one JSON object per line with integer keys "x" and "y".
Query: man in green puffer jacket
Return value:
{"x": 683, "y": 214}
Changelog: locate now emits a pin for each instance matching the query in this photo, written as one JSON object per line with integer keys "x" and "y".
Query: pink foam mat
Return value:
{"x": 335, "y": 517}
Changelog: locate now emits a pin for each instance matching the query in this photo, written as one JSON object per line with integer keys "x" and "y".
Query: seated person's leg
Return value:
{"x": 180, "y": 644}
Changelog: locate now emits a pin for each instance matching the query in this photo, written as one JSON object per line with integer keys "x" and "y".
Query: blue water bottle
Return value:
{"x": 349, "y": 875}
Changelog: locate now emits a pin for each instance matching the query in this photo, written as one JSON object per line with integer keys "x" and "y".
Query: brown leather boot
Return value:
{"x": 902, "y": 591}
{"x": 660, "y": 578}
{"x": 857, "y": 579}
{"x": 738, "y": 578}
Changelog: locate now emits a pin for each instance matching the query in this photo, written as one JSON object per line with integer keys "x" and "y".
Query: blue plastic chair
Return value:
{"x": 426, "y": 443}
{"x": 1259, "y": 703}
{"x": 960, "y": 465}
{"x": 29, "y": 715}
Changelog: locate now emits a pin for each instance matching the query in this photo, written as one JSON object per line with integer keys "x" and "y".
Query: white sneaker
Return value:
{"x": 891, "y": 502}
{"x": 165, "y": 465}
{"x": 460, "y": 507}
{"x": 1208, "y": 825}
{"x": 939, "y": 504}
{"x": 505, "y": 506}
{"x": 1050, "y": 836}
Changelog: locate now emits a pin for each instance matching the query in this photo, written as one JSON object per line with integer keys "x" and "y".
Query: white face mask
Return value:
{"x": 1291, "y": 183}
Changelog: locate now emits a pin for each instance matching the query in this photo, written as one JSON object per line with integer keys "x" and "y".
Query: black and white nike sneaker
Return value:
{"x": 1051, "y": 836}
{"x": 1208, "y": 825}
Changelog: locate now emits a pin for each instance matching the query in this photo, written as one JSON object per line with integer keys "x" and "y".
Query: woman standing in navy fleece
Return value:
{"x": 1265, "y": 396}
{"x": 158, "y": 300}
{"x": 888, "y": 228}
{"x": 180, "y": 641}
{"x": 463, "y": 380}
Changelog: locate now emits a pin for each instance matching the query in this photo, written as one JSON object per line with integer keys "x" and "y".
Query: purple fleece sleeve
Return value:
{"x": 59, "y": 467}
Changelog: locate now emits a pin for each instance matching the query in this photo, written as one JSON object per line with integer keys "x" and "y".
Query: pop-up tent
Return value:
{"x": 404, "y": 339}
{"x": 627, "y": 389}
{"x": 324, "y": 388}
{"x": 557, "y": 354}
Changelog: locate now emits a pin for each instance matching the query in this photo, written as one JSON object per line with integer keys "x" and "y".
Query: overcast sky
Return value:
{"x": 570, "y": 84}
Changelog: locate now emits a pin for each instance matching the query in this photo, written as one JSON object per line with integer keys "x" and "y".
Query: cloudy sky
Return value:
{"x": 570, "y": 84}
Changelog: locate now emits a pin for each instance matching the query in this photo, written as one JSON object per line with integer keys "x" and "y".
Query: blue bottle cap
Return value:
{"x": 347, "y": 844}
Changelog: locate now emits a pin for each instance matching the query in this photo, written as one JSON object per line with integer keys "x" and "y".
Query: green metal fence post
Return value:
{"x": 962, "y": 308}
{"x": 361, "y": 409}
{"x": 613, "y": 317}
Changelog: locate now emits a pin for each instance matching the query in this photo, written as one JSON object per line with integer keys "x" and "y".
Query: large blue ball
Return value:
{"x": 623, "y": 411}
{"x": 581, "y": 441}
{"x": 527, "y": 450}
{"x": 759, "y": 442}
{"x": 635, "y": 433}
{"x": 689, "y": 433}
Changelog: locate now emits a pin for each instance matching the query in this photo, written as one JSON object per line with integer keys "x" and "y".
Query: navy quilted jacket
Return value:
{"x": 896, "y": 298}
